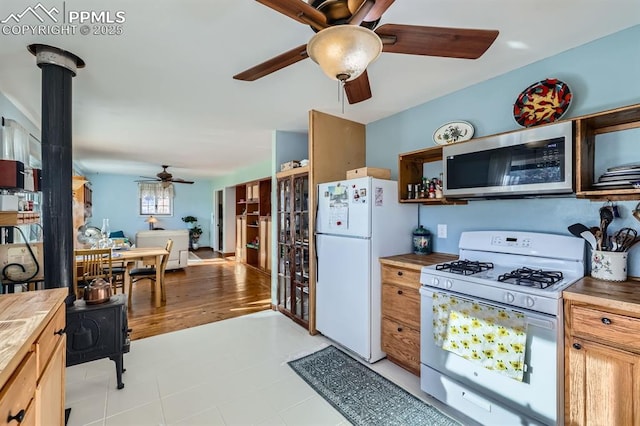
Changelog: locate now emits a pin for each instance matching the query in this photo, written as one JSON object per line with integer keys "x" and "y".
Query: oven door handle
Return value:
{"x": 542, "y": 323}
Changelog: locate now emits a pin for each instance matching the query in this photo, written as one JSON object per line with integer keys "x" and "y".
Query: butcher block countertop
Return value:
{"x": 23, "y": 316}
{"x": 417, "y": 261}
{"x": 619, "y": 296}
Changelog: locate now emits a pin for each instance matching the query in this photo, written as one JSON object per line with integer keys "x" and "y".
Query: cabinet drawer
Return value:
{"x": 402, "y": 276}
{"x": 402, "y": 304}
{"x": 49, "y": 338}
{"x": 401, "y": 344}
{"x": 620, "y": 330}
{"x": 19, "y": 391}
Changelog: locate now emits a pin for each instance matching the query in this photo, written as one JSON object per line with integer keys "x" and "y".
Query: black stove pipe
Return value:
{"x": 58, "y": 68}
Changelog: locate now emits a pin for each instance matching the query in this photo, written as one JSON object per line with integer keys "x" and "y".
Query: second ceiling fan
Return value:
{"x": 461, "y": 43}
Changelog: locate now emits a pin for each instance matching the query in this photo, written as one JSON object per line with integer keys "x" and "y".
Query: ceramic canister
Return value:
{"x": 609, "y": 265}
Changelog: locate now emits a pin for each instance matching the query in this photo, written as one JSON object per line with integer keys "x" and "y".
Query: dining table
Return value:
{"x": 151, "y": 256}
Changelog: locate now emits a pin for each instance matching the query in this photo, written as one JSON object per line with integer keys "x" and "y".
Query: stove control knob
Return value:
{"x": 448, "y": 284}
{"x": 509, "y": 297}
{"x": 530, "y": 301}
{"x": 435, "y": 282}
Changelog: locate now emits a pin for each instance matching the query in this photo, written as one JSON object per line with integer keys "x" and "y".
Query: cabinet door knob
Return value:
{"x": 18, "y": 417}
{"x": 399, "y": 291}
{"x": 59, "y": 332}
{"x": 399, "y": 329}
{"x": 399, "y": 273}
{"x": 606, "y": 321}
{"x": 577, "y": 346}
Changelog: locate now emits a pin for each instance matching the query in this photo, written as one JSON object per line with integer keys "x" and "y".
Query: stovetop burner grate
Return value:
{"x": 464, "y": 267}
{"x": 532, "y": 277}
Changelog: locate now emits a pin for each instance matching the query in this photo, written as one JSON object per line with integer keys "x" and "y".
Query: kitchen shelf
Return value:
{"x": 587, "y": 127}
{"x": 291, "y": 172}
{"x": 253, "y": 221}
{"x": 13, "y": 218}
{"x": 411, "y": 171}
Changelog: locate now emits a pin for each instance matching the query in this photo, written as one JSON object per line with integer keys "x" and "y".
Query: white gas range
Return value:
{"x": 517, "y": 272}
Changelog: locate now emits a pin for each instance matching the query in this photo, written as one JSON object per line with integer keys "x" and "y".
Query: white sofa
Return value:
{"x": 158, "y": 238}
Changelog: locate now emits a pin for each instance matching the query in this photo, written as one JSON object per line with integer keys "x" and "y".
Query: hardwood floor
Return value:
{"x": 210, "y": 291}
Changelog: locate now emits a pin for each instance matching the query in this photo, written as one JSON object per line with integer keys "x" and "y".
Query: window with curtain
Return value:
{"x": 155, "y": 198}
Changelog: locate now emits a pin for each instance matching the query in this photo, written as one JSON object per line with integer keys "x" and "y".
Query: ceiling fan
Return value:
{"x": 164, "y": 176}
{"x": 461, "y": 43}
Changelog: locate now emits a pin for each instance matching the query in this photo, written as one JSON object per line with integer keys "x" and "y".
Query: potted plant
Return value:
{"x": 194, "y": 235}
{"x": 190, "y": 221}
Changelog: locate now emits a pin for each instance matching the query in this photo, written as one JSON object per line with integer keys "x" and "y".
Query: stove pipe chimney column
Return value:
{"x": 58, "y": 67}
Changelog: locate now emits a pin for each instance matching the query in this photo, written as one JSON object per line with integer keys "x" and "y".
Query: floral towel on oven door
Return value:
{"x": 493, "y": 337}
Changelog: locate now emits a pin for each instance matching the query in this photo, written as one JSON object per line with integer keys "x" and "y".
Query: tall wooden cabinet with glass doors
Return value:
{"x": 293, "y": 244}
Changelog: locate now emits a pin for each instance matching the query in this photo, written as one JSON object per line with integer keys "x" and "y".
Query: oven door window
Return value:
{"x": 535, "y": 396}
{"x": 531, "y": 163}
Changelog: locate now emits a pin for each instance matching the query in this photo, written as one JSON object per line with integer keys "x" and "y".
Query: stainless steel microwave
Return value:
{"x": 533, "y": 162}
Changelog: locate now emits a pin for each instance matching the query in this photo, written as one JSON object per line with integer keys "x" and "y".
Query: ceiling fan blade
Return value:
{"x": 149, "y": 178}
{"x": 274, "y": 64}
{"x": 179, "y": 180}
{"x": 436, "y": 41}
{"x": 358, "y": 90}
{"x": 298, "y": 10}
{"x": 377, "y": 10}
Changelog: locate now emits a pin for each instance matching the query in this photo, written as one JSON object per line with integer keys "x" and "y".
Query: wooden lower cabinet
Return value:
{"x": 50, "y": 390}
{"x": 401, "y": 307}
{"x": 32, "y": 392}
{"x": 602, "y": 365}
{"x": 401, "y": 316}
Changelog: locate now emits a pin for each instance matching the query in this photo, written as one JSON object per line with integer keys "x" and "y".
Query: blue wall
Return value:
{"x": 116, "y": 197}
{"x": 8, "y": 110}
{"x": 602, "y": 75}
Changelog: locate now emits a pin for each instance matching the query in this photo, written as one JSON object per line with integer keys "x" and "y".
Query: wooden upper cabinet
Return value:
{"x": 587, "y": 128}
{"x": 335, "y": 146}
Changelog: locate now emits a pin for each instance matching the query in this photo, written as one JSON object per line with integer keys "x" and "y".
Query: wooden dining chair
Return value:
{"x": 149, "y": 273}
{"x": 91, "y": 264}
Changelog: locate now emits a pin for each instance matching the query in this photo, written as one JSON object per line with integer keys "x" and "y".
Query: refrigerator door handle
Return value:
{"x": 315, "y": 235}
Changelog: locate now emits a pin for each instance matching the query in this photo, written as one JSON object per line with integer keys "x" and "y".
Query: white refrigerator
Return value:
{"x": 358, "y": 221}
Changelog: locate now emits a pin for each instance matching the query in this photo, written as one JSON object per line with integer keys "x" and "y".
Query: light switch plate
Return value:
{"x": 442, "y": 231}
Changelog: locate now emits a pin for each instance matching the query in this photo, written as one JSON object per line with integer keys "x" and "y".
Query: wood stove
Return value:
{"x": 99, "y": 331}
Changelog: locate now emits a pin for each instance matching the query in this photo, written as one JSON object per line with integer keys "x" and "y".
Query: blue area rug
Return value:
{"x": 361, "y": 395}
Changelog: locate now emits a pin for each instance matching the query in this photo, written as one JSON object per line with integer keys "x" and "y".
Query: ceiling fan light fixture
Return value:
{"x": 343, "y": 52}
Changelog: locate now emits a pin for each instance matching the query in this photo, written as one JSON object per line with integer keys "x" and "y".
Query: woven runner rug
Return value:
{"x": 361, "y": 395}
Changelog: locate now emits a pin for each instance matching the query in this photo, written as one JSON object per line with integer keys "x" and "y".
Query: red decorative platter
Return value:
{"x": 543, "y": 102}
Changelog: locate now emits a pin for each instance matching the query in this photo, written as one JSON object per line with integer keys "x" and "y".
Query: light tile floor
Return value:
{"x": 231, "y": 372}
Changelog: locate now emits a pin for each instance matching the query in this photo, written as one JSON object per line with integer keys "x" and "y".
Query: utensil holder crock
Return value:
{"x": 609, "y": 265}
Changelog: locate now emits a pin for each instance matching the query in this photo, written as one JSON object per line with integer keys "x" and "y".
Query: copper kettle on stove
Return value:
{"x": 98, "y": 291}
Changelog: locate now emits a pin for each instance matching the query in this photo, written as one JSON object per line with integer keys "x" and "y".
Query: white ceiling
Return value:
{"x": 163, "y": 93}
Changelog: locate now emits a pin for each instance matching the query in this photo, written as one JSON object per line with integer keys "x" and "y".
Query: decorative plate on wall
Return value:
{"x": 543, "y": 102}
{"x": 452, "y": 132}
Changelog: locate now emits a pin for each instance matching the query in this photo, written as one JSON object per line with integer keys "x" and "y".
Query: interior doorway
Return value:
{"x": 220, "y": 224}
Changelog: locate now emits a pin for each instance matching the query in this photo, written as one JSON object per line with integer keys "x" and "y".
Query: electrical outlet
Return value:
{"x": 442, "y": 231}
